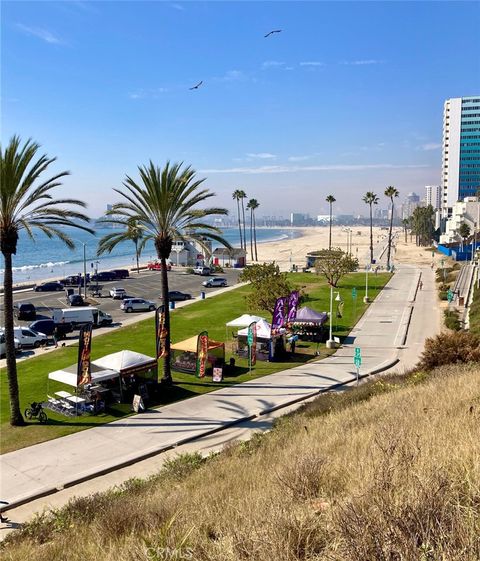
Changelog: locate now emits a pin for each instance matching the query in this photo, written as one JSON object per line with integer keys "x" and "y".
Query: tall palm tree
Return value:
{"x": 131, "y": 231}
{"x": 242, "y": 196}
{"x": 236, "y": 195}
{"x": 405, "y": 224}
{"x": 391, "y": 193}
{"x": 371, "y": 199}
{"x": 164, "y": 203}
{"x": 330, "y": 200}
{"x": 253, "y": 204}
{"x": 26, "y": 204}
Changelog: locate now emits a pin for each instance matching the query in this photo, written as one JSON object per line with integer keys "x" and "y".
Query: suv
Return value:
{"x": 105, "y": 276}
{"x": 118, "y": 293}
{"x": 202, "y": 270}
{"x": 121, "y": 273}
{"x": 137, "y": 305}
{"x": 47, "y": 326}
{"x": 24, "y": 310}
{"x": 215, "y": 281}
{"x": 76, "y": 300}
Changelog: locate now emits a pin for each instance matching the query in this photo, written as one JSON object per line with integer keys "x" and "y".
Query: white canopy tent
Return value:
{"x": 68, "y": 375}
{"x": 125, "y": 361}
{"x": 244, "y": 321}
{"x": 264, "y": 330}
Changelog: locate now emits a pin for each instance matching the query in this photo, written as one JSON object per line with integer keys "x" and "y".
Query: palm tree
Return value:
{"x": 164, "y": 203}
{"x": 132, "y": 231}
{"x": 371, "y": 199}
{"x": 236, "y": 195}
{"x": 242, "y": 195}
{"x": 27, "y": 204}
{"x": 391, "y": 193}
{"x": 405, "y": 224}
{"x": 330, "y": 200}
{"x": 253, "y": 204}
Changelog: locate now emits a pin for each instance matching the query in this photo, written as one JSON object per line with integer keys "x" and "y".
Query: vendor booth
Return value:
{"x": 263, "y": 339}
{"x": 184, "y": 355}
{"x": 309, "y": 324}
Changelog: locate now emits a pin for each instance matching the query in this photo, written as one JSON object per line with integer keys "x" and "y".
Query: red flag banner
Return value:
{"x": 84, "y": 372}
{"x": 160, "y": 331}
{"x": 202, "y": 354}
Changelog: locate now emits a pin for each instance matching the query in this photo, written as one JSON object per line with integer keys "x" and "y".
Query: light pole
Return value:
{"x": 331, "y": 342}
{"x": 365, "y": 298}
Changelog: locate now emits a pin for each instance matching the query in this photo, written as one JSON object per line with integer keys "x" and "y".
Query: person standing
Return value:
{"x": 56, "y": 335}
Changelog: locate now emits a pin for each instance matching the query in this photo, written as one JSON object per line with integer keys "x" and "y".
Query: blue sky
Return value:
{"x": 347, "y": 98}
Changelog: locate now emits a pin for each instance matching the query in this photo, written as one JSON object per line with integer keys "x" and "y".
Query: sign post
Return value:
{"x": 450, "y": 296}
{"x": 354, "y": 298}
{"x": 357, "y": 360}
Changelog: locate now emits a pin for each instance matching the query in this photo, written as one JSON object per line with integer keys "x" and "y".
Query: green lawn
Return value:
{"x": 210, "y": 315}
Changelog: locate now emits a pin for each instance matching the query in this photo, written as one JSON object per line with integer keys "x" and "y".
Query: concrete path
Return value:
{"x": 381, "y": 334}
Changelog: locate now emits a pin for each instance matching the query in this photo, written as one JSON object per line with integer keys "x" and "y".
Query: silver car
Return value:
{"x": 137, "y": 305}
{"x": 215, "y": 281}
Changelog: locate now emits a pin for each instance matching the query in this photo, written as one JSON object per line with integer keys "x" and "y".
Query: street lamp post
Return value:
{"x": 331, "y": 341}
{"x": 365, "y": 298}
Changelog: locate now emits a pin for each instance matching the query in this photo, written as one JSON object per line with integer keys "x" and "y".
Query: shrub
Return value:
{"x": 189, "y": 270}
{"x": 452, "y": 320}
{"x": 450, "y": 348}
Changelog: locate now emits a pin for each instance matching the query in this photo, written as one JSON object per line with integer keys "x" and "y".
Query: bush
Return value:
{"x": 189, "y": 270}
{"x": 452, "y": 320}
{"x": 450, "y": 348}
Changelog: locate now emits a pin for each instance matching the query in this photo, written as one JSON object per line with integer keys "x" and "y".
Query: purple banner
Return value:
{"x": 278, "y": 319}
{"x": 292, "y": 306}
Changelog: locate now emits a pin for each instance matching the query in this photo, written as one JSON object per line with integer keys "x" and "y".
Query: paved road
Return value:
{"x": 381, "y": 334}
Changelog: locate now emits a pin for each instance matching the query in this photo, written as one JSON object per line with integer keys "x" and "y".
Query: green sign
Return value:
{"x": 357, "y": 360}
{"x": 354, "y": 293}
{"x": 250, "y": 337}
{"x": 358, "y": 352}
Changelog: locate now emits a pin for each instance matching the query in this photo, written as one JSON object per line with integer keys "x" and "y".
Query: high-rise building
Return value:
{"x": 461, "y": 150}
{"x": 433, "y": 196}
{"x": 412, "y": 201}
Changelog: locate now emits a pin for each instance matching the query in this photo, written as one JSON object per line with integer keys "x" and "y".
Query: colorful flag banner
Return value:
{"x": 279, "y": 313}
{"x": 84, "y": 372}
{"x": 252, "y": 344}
{"x": 292, "y": 306}
{"x": 160, "y": 331}
{"x": 202, "y": 354}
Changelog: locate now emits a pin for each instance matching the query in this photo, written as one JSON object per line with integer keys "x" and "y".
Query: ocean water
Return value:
{"x": 47, "y": 258}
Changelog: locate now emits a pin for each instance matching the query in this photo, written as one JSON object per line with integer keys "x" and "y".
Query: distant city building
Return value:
{"x": 461, "y": 150}
{"x": 299, "y": 219}
{"x": 380, "y": 213}
{"x": 412, "y": 201}
{"x": 433, "y": 196}
{"x": 325, "y": 218}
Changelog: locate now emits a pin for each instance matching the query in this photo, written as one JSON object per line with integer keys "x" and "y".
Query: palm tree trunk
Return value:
{"x": 390, "y": 238}
{"x": 371, "y": 234}
{"x": 255, "y": 235}
{"x": 167, "y": 372}
{"x": 251, "y": 234}
{"x": 244, "y": 234}
{"x": 239, "y": 223}
{"x": 330, "y": 232}
{"x": 16, "y": 418}
{"x": 136, "y": 255}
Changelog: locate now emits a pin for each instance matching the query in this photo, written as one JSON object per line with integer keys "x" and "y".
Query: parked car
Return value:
{"x": 177, "y": 296}
{"x": 81, "y": 316}
{"x": 76, "y": 300}
{"x": 24, "y": 310}
{"x": 47, "y": 326}
{"x": 215, "y": 281}
{"x": 121, "y": 273}
{"x": 137, "y": 305}
{"x": 75, "y": 280}
{"x": 104, "y": 276}
{"x": 29, "y": 338}
{"x": 202, "y": 271}
{"x": 118, "y": 293}
{"x": 157, "y": 266}
{"x": 3, "y": 346}
{"x": 48, "y": 287}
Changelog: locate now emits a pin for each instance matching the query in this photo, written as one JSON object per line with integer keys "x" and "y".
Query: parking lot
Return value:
{"x": 146, "y": 284}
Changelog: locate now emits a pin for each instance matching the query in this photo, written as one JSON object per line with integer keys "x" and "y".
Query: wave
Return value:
{"x": 50, "y": 264}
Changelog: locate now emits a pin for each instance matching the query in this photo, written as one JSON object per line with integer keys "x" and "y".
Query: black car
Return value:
{"x": 24, "y": 310}
{"x": 121, "y": 273}
{"x": 176, "y": 296}
{"x": 48, "y": 287}
{"x": 47, "y": 326}
{"x": 75, "y": 300}
{"x": 74, "y": 280}
{"x": 104, "y": 276}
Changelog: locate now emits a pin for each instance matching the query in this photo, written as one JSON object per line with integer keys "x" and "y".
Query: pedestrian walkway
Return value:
{"x": 381, "y": 335}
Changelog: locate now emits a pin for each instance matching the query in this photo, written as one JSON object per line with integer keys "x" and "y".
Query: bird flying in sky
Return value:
{"x": 197, "y": 86}
{"x": 272, "y": 32}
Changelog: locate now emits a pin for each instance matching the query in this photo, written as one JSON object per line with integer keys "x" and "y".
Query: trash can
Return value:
{"x": 172, "y": 304}
{"x": 202, "y": 295}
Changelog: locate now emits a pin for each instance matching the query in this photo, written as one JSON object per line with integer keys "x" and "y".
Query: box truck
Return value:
{"x": 80, "y": 316}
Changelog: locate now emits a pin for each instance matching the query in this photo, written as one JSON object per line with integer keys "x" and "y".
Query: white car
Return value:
{"x": 3, "y": 346}
{"x": 215, "y": 281}
{"x": 118, "y": 293}
{"x": 137, "y": 305}
{"x": 29, "y": 338}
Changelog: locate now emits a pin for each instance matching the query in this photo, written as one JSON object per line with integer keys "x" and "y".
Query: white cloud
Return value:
{"x": 152, "y": 93}
{"x": 363, "y": 62}
{"x": 272, "y": 64}
{"x": 296, "y": 169}
{"x": 262, "y": 155}
{"x": 312, "y": 63}
{"x": 298, "y": 158}
{"x": 178, "y": 7}
{"x": 42, "y": 34}
{"x": 232, "y": 76}
{"x": 430, "y": 146}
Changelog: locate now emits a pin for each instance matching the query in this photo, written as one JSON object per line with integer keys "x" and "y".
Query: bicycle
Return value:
{"x": 36, "y": 411}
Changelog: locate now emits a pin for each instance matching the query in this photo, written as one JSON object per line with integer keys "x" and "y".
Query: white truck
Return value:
{"x": 81, "y": 316}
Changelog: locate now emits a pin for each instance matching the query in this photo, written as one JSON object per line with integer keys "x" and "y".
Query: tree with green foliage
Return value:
{"x": 371, "y": 199}
{"x": 330, "y": 200}
{"x": 267, "y": 283}
{"x": 26, "y": 203}
{"x": 165, "y": 205}
{"x": 333, "y": 264}
{"x": 405, "y": 224}
{"x": 130, "y": 230}
{"x": 464, "y": 231}
{"x": 422, "y": 224}
{"x": 391, "y": 193}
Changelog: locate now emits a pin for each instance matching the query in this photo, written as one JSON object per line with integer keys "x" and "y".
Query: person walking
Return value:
{"x": 56, "y": 335}
{"x": 420, "y": 285}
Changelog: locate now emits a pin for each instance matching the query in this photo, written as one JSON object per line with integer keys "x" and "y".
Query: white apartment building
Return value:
{"x": 466, "y": 211}
{"x": 433, "y": 196}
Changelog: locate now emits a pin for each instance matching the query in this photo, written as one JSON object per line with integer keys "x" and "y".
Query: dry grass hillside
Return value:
{"x": 387, "y": 472}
